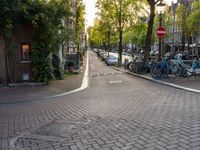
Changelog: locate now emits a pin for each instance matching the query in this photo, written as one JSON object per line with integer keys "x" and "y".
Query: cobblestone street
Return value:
{"x": 116, "y": 111}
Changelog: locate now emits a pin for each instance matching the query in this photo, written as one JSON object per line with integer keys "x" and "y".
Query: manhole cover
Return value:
{"x": 61, "y": 128}
{"x": 52, "y": 134}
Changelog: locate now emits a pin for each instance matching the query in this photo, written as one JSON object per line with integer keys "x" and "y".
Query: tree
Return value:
{"x": 80, "y": 25}
{"x": 152, "y": 4}
{"x": 106, "y": 31}
{"x": 182, "y": 15}
{"x": 123, "y": 13}
{"x": 95, "y": 34}
{"x": 193, "y": 20}
{"x": 137, "y": 34}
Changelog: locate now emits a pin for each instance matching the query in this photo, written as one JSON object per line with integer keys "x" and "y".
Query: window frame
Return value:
{"x": 21, "y": 49}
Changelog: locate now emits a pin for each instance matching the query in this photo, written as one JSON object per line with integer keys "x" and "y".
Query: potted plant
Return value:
{"x": 70, "y": 66}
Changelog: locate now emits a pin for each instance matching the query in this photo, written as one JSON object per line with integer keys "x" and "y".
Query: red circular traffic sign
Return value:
{"x": 160, "y": 32}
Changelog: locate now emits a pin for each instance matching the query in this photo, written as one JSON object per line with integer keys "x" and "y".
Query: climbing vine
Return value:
{"x": 47, "y": 19}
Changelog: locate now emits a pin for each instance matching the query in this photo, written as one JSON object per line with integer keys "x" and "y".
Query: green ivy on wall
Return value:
{"x": 46, "y": 18}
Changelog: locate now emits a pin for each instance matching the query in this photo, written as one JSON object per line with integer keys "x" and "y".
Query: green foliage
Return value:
{"x": 95, "y": 34}
{"x": 137, "y": 34}
{"x": 70, "y": 64}
{"x": 117, "y": 16}
{"x": 182, "y": 13}
{"x": 9, "y": 20}
{"x": 43, "y": 68}
{"x": 193, "y": 20}
{"x": 9, "y": 14}
{"x": 47, "y": 19}
{"x": 80, "y": 24}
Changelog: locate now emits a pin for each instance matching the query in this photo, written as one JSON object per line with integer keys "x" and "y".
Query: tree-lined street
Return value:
{"x": 69, "y": 84}
{"x": 116, "y": 111}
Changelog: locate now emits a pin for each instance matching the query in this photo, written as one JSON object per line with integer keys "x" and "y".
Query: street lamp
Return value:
{"x": 160, "y": 10}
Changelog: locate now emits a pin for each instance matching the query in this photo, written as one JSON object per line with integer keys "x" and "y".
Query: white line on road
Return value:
{"x": 84, "y": 84}
{"x": 117, "y": 81}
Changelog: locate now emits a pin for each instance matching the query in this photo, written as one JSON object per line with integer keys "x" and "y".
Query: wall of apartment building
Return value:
{"x": 20, "y": 65}
{"x": 71, "y": 46}
{"x": 24, "y": 36}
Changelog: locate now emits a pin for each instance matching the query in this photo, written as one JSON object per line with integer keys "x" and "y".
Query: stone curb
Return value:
{"x": 159, "y": 81}
{"x": 27, "y": 84}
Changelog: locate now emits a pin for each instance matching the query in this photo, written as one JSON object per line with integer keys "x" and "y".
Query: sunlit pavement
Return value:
{"x": 190, "y": 84}
{"x": 116, "y": 111}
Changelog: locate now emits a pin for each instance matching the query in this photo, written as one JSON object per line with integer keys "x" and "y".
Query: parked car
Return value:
{"x": 111, "y": 60}
{"x": 126, "y": 53}
{"x": 101, "y": 53}
{"x": 104, "y": 56}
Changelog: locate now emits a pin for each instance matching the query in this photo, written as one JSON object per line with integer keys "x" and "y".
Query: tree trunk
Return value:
{"x": 109, "y": 47}
{"x": 150, "y": 29}
{"x": 183, "y": 41}
{"x": 120, "y": 48}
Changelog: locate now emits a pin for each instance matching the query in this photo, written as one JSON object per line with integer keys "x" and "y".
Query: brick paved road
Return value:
{"x": 116, "y": 111}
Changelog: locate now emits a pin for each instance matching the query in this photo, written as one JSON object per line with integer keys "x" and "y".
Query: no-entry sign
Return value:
{"x": 160, "y": 32}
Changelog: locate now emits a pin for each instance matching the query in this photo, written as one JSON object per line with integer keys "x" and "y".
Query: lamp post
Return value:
{"x": 173, "y": 28}
{"x": 160, "y": 10}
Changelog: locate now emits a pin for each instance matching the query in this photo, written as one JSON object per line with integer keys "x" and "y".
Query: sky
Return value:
{"x": 91, "y": 10}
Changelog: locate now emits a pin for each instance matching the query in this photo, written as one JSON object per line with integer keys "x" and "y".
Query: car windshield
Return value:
{"x": 113, "y": 58}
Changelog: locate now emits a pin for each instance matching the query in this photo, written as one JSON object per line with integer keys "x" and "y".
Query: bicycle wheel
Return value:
{"x": 141, "y": 68}
{"x": 183, "y": 72}
{"x": 174, "y": 72}
{"x": 126, "y": 63}
{"x": 158, "y": 71}
{"x": 152, "y": 71}
{"x": 130, "y": 66}
{"x": 137, "y": 67}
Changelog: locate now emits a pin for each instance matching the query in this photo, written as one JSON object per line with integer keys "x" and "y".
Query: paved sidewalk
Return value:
{"x": 9, "y": 95}
{"x": 188, "y": 83}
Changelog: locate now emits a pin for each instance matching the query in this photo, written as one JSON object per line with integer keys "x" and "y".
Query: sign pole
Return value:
{"x": 159, "y": 49}
{"x": 160, "y": 33}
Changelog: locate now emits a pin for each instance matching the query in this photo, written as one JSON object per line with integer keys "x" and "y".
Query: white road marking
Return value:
{"x": 117, "y": 81}
{"x": 84, "y": 84}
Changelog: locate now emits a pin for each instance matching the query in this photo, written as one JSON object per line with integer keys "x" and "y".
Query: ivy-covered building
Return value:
{"x": 30, "y": 33}
{"x": 16, "y": 62}
{"x": 3, "y": 75}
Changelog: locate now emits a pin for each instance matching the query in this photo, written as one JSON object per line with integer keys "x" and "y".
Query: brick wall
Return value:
{"x": 18, "y": 68}
{"x": 2, "y": 61}
{"x": 24, "y": 34}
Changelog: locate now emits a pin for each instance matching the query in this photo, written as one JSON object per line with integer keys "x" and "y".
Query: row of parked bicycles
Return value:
{"x": 173, "y": 69}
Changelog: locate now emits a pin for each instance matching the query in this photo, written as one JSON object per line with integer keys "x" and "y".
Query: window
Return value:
{"x": 25, "y": 51}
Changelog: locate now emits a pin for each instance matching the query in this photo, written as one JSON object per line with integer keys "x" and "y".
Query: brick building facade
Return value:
{"x": 16, "y": 64}
{"x": 2, "y": 61}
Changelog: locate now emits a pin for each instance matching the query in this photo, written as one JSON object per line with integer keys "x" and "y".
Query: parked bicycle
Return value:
{"x": 175, "y": 68}
{"x": 138, "y": 65}
{"x": 193, "y": 70}
{"x": 166, "y": 68}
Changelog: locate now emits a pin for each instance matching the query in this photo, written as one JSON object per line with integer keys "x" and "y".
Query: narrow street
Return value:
{"x": 117, "y": 111}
